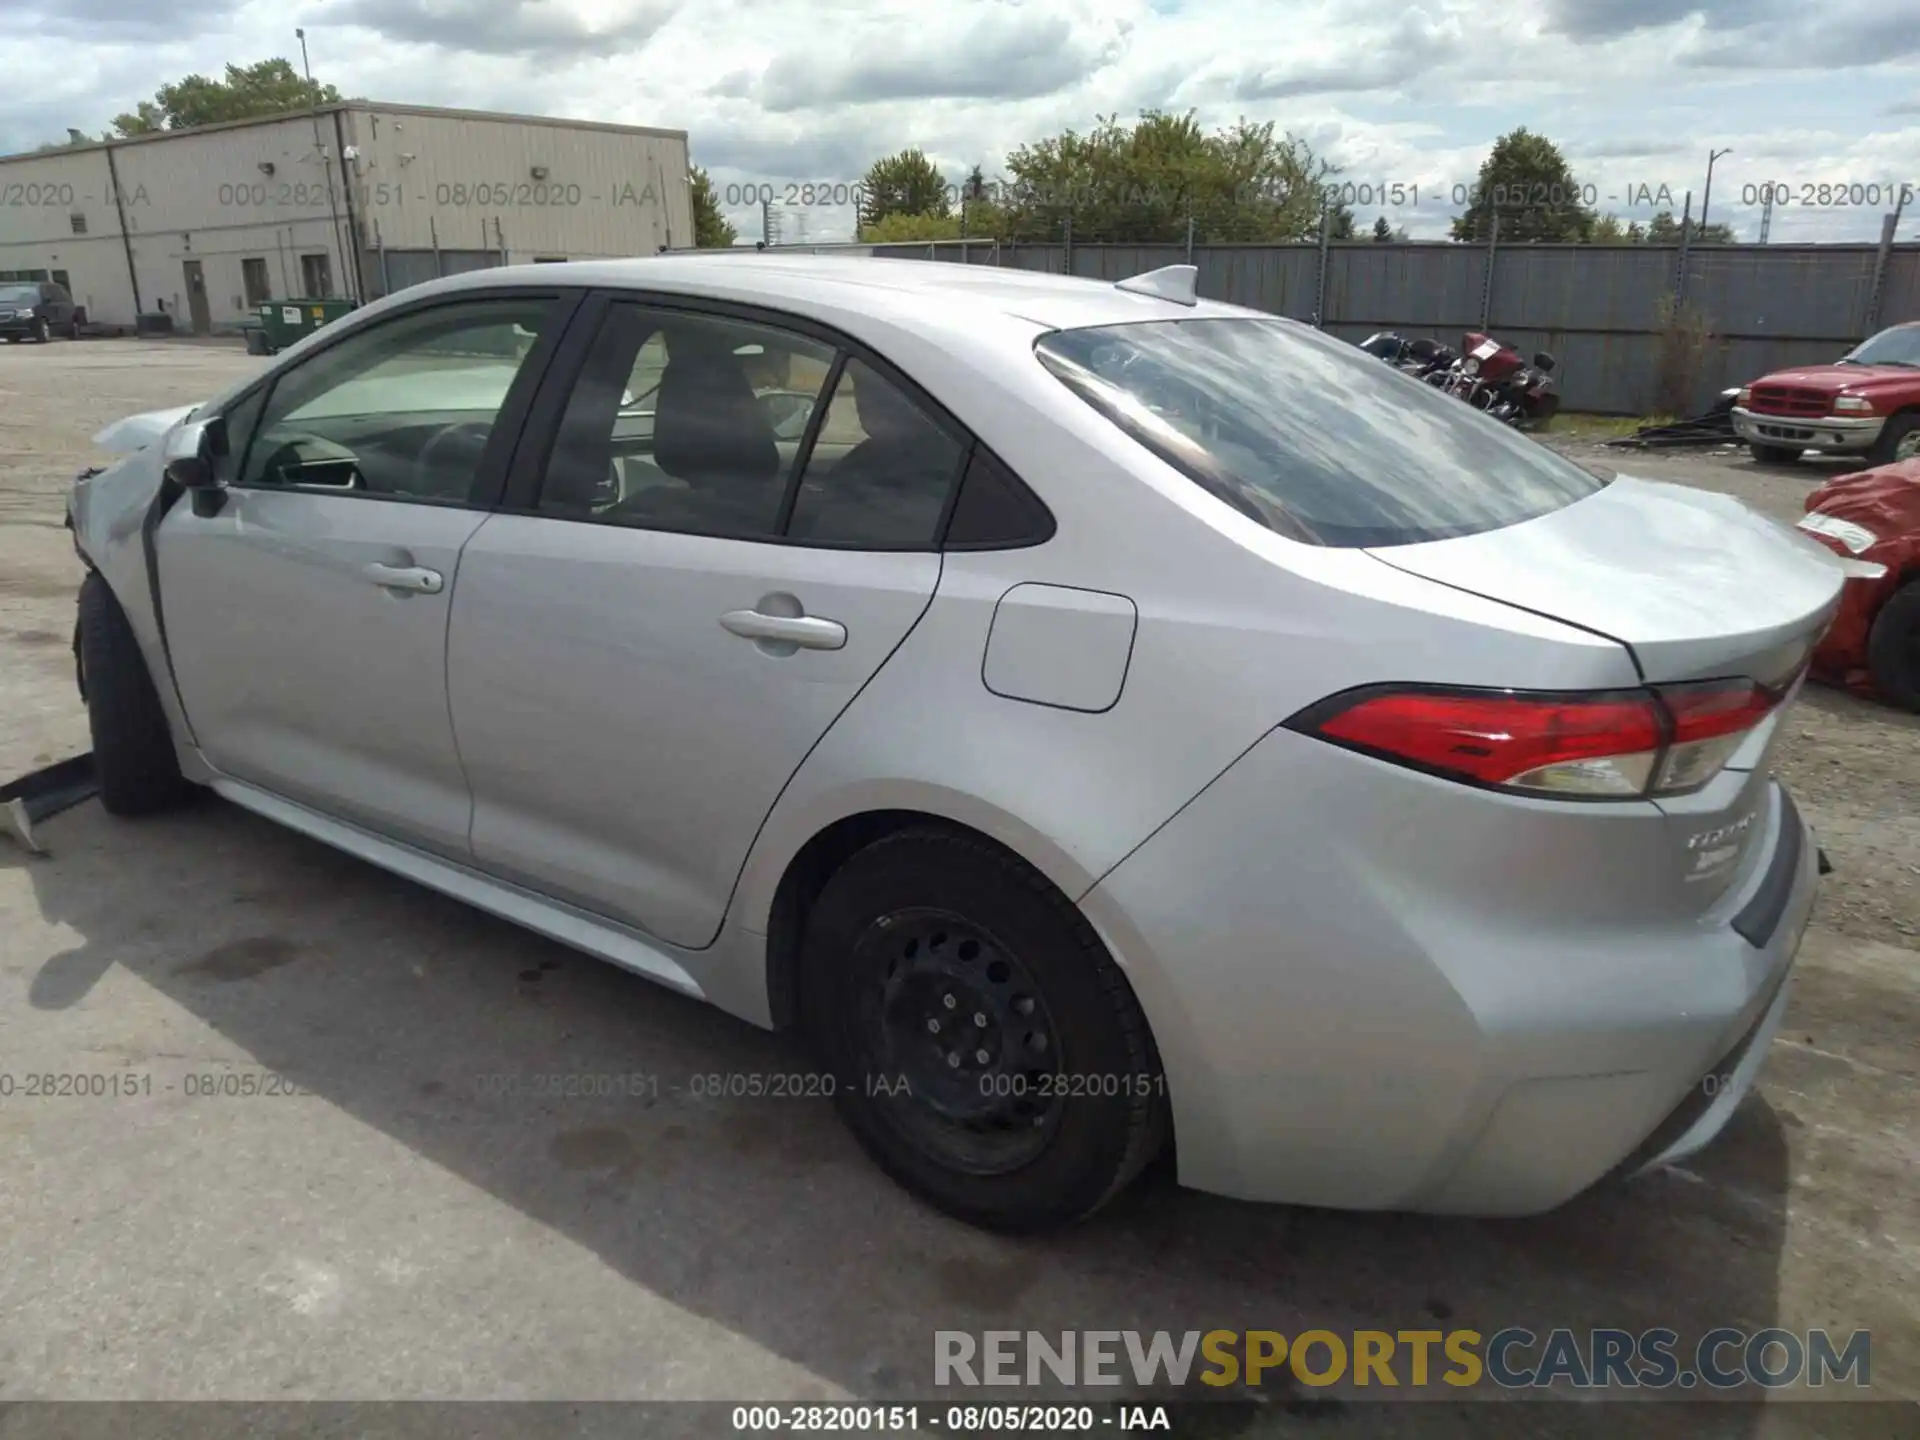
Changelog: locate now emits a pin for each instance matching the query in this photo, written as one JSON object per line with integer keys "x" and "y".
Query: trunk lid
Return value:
{"x": 1696, "y": 585}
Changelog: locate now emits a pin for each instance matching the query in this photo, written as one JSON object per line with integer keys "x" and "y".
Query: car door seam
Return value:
{"x": 733, "y": 892}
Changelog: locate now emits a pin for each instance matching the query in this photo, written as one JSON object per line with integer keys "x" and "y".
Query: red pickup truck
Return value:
{"x": 1867, "y": 403}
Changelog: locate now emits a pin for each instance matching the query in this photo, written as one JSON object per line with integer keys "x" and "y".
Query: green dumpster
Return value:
{"x": 285, "y": 321}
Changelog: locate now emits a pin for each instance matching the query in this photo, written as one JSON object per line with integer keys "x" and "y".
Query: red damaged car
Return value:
{"x": 1873, "y": 645}
{"x": 1867, "y": 403}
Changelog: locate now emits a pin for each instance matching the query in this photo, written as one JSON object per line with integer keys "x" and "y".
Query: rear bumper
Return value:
{"x": 1837, "y": 433}
{"x": 1341, "y": 1028}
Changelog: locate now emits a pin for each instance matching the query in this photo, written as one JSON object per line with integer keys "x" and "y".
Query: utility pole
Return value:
{"x": 349, "y": 250}
{"x": 1766, "y": 212}
{"x": 1706, "y": 196}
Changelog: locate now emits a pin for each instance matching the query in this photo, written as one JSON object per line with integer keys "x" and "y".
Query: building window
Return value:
{"x": 549, "y": 259}
{"x": 316, "y": 276}
{"x": 253, "y": 275}
{"x": 78, "y": 222}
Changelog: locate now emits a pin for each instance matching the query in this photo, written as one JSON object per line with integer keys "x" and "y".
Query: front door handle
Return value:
{"x": 416, "y": 579}
{"x": 809, "y": 632}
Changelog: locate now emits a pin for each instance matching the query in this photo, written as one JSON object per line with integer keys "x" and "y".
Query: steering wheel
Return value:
{"x": 457, "y": 447}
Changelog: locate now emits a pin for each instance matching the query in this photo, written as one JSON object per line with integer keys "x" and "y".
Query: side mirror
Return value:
{"x": 190, "y": 449}
{"x": 1542, "y": 360}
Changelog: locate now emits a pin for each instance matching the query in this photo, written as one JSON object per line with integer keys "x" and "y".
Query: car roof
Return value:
{"x": 837, "y": 283}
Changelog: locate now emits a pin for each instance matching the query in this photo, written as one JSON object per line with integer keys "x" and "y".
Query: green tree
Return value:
{"x": 1340, "y": 223}
{"x": 268, "y": 87}
{"x": 1145, "y": 182}
{"x": 897, "y": 227}
{"x": 1382, "y": 231}
{"x": 1527, "y": 182}
{"x": 710, "y": 228}
{"x": 904, "y": 184}
{"x": 1664, "y": 229}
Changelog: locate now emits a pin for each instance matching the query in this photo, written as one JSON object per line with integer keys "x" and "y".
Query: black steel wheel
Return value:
{"x": 955, "y": 1013}
{"x": 984, "y": 1048}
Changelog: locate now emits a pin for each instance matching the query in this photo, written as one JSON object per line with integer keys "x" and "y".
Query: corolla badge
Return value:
{"x": 1714, "y": 850}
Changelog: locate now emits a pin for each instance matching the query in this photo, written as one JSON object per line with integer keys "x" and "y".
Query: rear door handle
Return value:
{"x": 414, "y": 578}
{"x": 809, "y": 632}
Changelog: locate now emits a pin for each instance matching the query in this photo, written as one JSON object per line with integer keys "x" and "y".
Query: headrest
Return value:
{"x": 707, "y": 421}
{"x": 885, "y": 414}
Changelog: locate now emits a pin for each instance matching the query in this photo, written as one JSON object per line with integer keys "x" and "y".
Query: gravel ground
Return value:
{"x": 389, "y": 1232}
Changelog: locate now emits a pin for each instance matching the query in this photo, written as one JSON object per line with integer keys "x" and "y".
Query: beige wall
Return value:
{"x": 272, "y": 190}
{"x": 606, "y": 192}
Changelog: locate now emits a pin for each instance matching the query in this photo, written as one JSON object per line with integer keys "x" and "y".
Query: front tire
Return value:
{"x": 1899, "y": 439}
{"x": 1893, "y": 648}
{"x": 133, "y": 755}
{"x": 1775, "y": 454}
{"x": 986, "y": 1050}
{"x": 41, "y": 334}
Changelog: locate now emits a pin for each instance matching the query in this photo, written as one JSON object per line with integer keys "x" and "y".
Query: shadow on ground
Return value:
{"x": 393, "y": 1004}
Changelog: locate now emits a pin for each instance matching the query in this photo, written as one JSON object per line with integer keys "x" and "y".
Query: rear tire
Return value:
{"x": 931, "y": 949}
{"x": 1893, "y": 648}
{"x": 1899, "y": 440}
{"x": 133, "y": 755}
{"x": 1775, "y": 454}
{"x": 73, "y": 329}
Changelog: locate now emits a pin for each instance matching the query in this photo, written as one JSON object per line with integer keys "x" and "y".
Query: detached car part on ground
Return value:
{"x": 1112, "y": 716}
{"x": 1873, "y": 516}
{"x": 1866, "y": 404}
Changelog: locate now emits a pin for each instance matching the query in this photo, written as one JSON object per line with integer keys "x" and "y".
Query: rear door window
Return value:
{"x": 1310, "y": 436}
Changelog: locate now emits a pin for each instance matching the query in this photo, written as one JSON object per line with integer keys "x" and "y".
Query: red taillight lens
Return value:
{"x": 1710, "y": 721}
{"x": 1619, "y": 744}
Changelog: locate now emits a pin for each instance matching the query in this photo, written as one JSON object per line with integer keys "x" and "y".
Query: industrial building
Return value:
{"x": 352, "y": 200}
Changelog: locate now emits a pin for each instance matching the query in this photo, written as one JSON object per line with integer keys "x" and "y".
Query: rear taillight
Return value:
{"x": 1615, "y": 744}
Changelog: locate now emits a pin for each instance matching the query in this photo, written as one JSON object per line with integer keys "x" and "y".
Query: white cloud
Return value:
{"x": 783, "y": 93}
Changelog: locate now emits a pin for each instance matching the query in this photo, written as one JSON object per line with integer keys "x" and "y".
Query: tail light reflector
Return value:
{"x": 1620, "y": 744}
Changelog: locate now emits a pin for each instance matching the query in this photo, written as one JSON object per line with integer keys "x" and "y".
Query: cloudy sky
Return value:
{"x": 790, "y": 91}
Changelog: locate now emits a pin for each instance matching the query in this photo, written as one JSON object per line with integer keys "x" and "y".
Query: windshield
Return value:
{"x": 19, "y": 294}
{"x": 1314, "y": 438}
{"x": 1898, "y": 346}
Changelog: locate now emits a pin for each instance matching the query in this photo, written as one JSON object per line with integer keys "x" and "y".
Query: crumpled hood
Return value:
{"x": 136, "y": 432}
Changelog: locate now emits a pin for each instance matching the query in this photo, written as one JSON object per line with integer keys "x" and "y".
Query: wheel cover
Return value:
{"x": 953, "y": 1013}
{"x": 1909, "y": 446}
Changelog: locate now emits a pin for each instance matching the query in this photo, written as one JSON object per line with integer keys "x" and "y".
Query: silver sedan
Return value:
{"x": 1098, "y": 718}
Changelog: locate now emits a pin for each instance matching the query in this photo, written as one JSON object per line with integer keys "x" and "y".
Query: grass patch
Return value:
{"x": 1601, "y": 427}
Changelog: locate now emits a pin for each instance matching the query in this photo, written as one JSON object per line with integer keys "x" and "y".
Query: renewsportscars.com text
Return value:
{"x": 1512, "y": 1358}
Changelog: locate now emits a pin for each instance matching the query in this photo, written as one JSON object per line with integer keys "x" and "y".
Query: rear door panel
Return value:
{"x": 623, "y": 747}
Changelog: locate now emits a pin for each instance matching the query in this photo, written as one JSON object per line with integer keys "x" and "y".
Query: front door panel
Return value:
{"x": 622, "y": 742}
{"x": 307, "y": 670}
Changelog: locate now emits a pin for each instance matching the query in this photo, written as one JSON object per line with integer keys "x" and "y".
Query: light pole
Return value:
{"x": 1707, "y": 195}
{"x": 308, "y": 69}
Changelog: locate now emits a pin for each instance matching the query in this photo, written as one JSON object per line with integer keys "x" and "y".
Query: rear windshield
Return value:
{"x": 1312, "y": 437}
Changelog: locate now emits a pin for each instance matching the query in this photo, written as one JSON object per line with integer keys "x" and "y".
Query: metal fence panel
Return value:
{"x": 1594, "y": 307}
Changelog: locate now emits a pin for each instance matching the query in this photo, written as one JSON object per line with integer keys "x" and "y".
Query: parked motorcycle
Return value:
{"x": 1417, "y": 358}
{"x": 1492, "y": 377}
